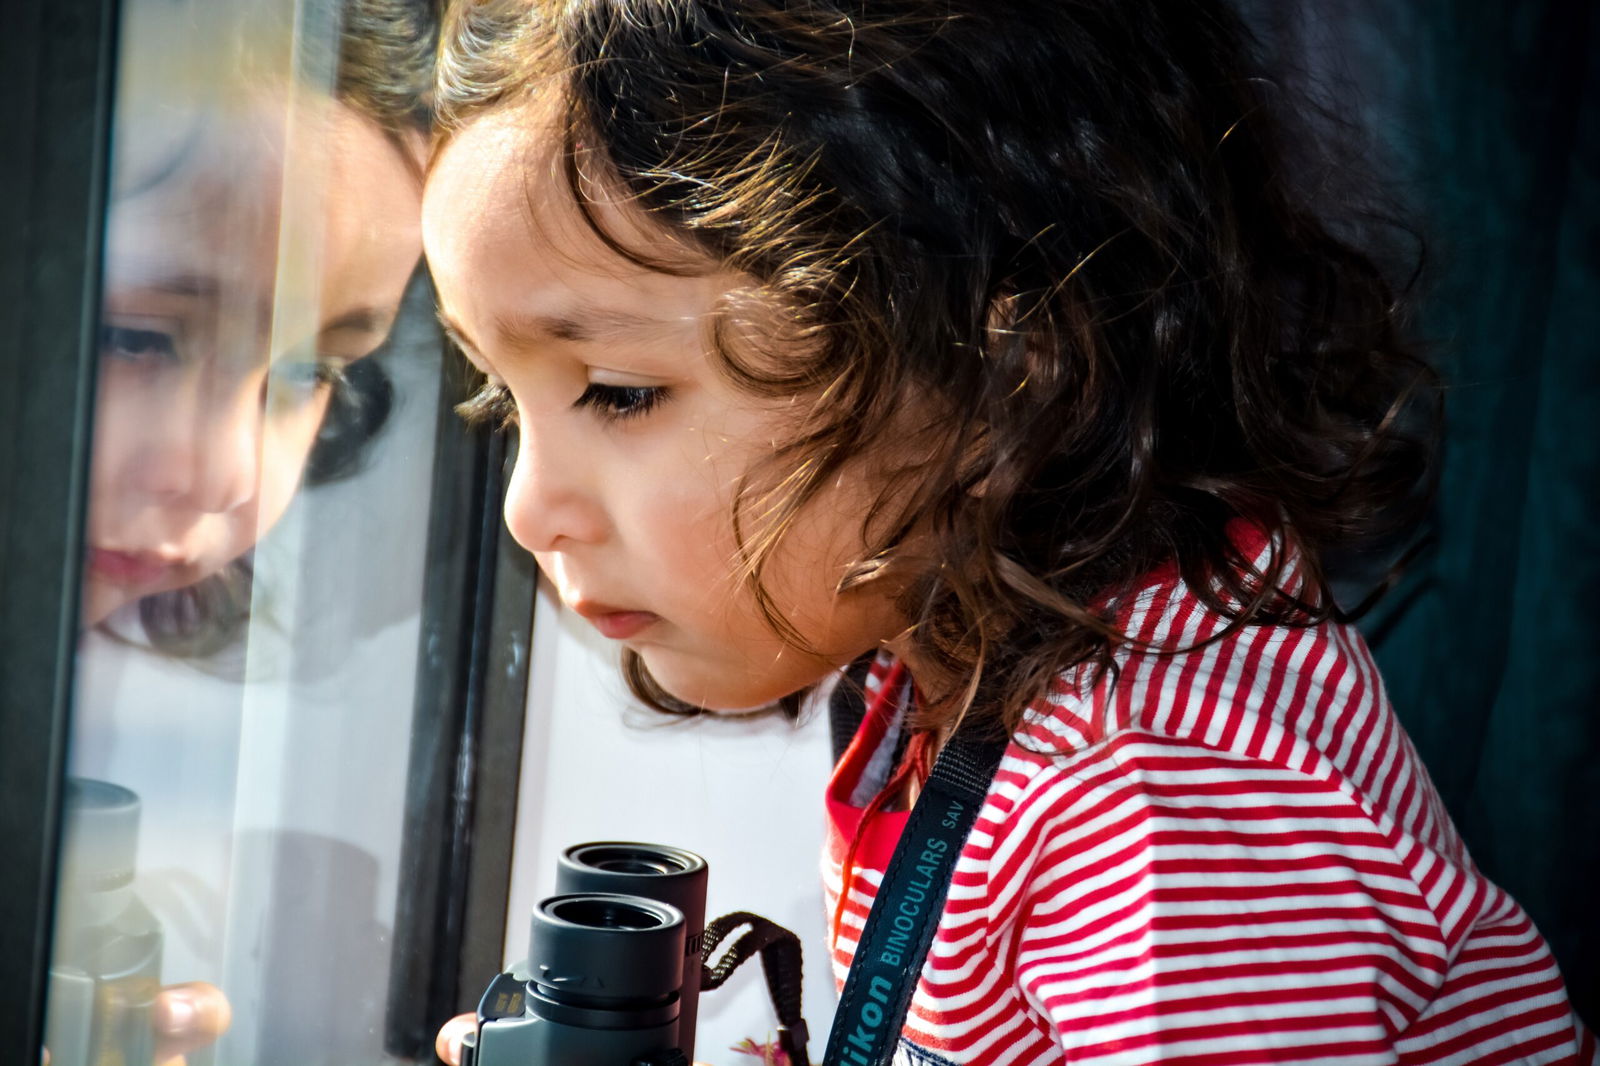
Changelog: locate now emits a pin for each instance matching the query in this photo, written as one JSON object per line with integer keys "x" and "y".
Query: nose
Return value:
{"x": 203, "y": 449}
{"x": 553, "y": 501}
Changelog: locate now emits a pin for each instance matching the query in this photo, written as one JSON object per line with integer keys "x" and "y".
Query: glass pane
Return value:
{"x": 260, "y": 494}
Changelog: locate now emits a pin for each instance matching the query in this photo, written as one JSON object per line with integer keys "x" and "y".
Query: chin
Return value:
{"x": 99, "y": 602}
{"x": 729, "y": 690}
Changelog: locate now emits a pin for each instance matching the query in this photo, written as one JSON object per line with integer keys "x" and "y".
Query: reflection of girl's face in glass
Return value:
{"x": 221, "y": 337}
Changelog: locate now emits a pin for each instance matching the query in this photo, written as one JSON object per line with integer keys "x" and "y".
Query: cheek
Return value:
{"x": 801, "y": 579}
{"x": 686, "y": 515}
{"x": 819, "y": 547}
{"x": 803, "y": 582}
{"x": 124, "y": 408}
{"x": 100, "y": 599}
{"x": 285, "y": 448}
{"x": 683, "y": 512}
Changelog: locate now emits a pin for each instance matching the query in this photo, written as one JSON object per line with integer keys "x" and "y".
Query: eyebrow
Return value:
{"x": 188, "y": 285}
{"x": 208, "y": 287}
{"x": 585, "y": 325}
{"x": 198, "y": 286}
{"x": 360, "y": 320}
{"x": 455, "y": 333}
{"x": 582, "y": 326}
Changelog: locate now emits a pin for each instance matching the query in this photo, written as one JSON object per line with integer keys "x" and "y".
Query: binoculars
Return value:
{"x": 613, "y": 971}
{"x": 107, "y": 954}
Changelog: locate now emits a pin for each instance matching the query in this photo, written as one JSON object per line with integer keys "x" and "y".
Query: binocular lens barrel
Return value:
{"x": 602, "y": 987}
{"x": 605, "y": 961}
{"x": 654, "y": 871}
{"x": 613, "y": 970}
{"x": 106, "y": 957}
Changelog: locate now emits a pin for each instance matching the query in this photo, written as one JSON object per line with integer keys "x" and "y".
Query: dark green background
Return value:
{"x": 1485, "y": 119}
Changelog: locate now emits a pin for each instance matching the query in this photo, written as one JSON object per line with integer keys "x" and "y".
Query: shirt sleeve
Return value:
{"x": 1190, "y": 906}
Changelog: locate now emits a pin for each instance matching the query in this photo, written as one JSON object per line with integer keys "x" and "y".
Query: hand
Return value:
{"x": 186, "y": 1018}
{"x": 447, "y": 1045}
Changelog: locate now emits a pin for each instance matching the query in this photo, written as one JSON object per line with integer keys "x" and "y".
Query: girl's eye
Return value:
{"x": 296, "y": 383}
{"x": 490, "y": 405}
{"x": 617, "y": 402}
{"x": 137, "y": 345}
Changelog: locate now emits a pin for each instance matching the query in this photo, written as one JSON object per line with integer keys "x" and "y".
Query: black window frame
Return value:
{"x": 60, "y": 59}
{"x": 477, "y": 606}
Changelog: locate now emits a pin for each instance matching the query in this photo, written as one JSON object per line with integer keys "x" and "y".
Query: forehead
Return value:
{"x": 205, "y": 220}
{"x": 501, "y": 223}
{"x": 217, "y": 187}
{"x": 201, "y": 185}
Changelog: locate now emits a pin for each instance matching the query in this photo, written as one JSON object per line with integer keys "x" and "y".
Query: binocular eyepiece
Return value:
{"x": 613, "y": 970}
{"x": 106, "y": 957}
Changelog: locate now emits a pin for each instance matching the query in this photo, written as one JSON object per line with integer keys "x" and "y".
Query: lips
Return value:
{"x": 620, "y": 625}
{"x": 130, "y": 568}
{"x": 614, "y": 622}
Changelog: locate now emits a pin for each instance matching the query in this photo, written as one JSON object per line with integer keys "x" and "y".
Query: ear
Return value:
{"x": 860, "y": 573}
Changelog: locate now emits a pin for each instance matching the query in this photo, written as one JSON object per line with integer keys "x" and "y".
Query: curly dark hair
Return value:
{"x": 1071, "y": 235}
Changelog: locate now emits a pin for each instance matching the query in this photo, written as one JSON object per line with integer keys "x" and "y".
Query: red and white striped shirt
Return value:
{"x": 1230, "y": 855}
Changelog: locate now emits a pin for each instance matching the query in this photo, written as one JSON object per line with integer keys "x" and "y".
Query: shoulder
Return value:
{"x": 1273, "y": 730}
{"x": 1150, "y": 890}
{"x": 1306, "y": 699}
{"x": 1273, "y": 693}
{"x": 1230, "y": 825}
{"x": 1257, "y": 760}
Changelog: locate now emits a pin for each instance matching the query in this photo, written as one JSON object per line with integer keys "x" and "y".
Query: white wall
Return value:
{"x": 746, "y": 795}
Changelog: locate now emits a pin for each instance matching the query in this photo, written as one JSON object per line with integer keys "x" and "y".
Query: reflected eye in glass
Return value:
{"x": 138, "y": 346}
{"x": 295, "y": 384}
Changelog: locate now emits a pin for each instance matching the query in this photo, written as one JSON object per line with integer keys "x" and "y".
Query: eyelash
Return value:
{"x": 492, "y": 403}
{"x": 615, "y": 403}
{"x": 314, "y": 375}
{"x": 298, "y": 380}
{"x": 132, "y": 344}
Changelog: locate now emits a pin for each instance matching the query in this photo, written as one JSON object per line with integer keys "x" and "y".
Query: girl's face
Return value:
{"x": 632, "y": 442}
{"x": 213, "y": 385}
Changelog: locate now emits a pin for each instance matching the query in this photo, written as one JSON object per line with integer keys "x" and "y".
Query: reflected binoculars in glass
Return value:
{"x": 614, "y": 965}
{"x": 106, "y": 960}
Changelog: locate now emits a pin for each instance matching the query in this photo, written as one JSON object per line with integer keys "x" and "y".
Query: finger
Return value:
{"x": 188, "y": 1017}
{"x": 447, "y": 1045}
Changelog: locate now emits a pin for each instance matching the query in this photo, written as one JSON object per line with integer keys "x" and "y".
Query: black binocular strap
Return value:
{"x": 900, "y": 926}
{"x": 847, "y": 705}
{"x": 780, "y": 962}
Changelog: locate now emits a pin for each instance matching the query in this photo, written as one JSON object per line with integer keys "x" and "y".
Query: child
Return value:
{"x": 201, "y": 440}
{"x": 991, "y": 342}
